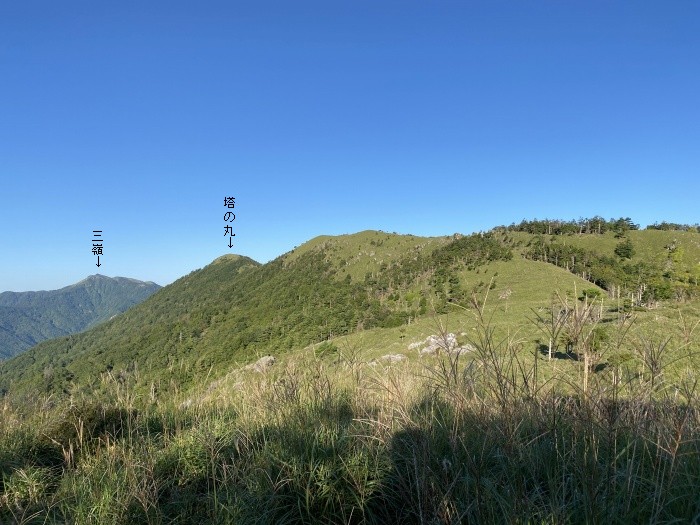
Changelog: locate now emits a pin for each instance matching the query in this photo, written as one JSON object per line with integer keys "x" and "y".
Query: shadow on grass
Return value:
{"x": 570, "y": 356}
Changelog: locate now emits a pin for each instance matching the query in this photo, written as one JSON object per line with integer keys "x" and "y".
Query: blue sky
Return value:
{"x": 331, "y": 117}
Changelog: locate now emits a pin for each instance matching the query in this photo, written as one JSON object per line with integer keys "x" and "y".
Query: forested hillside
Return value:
{"x": 660, "y": 263}
{"x": 27, "y": 318}
{"x": 235, "y": 308}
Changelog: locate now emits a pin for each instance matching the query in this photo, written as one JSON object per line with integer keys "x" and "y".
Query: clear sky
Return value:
{"x": 330, "y": 117}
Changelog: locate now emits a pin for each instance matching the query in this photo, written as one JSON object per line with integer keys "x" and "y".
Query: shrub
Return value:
{"x": 625, "y": 249}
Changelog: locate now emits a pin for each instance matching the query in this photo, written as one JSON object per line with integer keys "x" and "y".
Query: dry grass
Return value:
{"x": 496, "y": 436}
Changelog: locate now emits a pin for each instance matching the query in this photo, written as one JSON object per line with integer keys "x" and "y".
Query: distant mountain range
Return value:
{"x": 28, "y": 318}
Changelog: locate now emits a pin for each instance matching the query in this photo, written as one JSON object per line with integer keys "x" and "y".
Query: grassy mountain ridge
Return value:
{"x": 236, "y": 309}
{"x": 366, "y": 251}
{"x": 27, "y": 318}
{"x": 642, "y": 266}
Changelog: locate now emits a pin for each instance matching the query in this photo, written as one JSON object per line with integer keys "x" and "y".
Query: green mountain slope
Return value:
{"x": 235, "y": 310}
{"x": 27, "y": 318}
{"x": 643, "y": 267}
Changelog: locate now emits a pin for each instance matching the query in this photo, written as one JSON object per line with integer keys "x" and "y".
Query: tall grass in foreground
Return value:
{"x": 482, "y": 438}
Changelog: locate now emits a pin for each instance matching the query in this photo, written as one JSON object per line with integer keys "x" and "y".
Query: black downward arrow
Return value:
{"x": 230, "y": 242}
{"x": 98, "y": 262}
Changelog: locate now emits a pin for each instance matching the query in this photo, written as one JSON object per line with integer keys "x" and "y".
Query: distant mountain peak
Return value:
{"x": 27, "y": 318}
{"x": 226, "y": 257}
{"x": 104, "y": 279}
